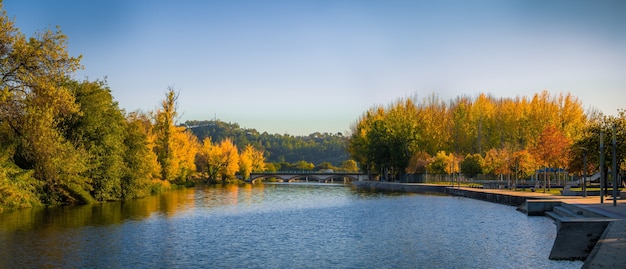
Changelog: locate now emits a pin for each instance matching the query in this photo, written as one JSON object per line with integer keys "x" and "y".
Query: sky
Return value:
{"x": 299, "y": 67}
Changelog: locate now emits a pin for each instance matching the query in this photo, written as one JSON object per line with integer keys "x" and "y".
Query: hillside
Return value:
{"x": 315, "y": 148}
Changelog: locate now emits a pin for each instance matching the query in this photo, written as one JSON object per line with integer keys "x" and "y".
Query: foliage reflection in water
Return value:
{"x": 278, "y": 226}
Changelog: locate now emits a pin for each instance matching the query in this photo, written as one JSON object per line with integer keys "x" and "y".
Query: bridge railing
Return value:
{"x": 305, "y": 172}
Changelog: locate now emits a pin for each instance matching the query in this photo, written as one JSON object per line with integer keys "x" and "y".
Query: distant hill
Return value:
{"x": 315, "y": 148}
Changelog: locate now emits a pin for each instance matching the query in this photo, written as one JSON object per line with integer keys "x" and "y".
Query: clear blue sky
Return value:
{"x": 299, "y": 67}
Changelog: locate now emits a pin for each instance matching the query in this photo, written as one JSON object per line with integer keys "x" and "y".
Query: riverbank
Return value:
{"x": 609, "y": 250}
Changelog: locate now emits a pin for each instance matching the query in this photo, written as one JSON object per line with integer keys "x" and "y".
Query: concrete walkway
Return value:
{"x": 610, "y": 250}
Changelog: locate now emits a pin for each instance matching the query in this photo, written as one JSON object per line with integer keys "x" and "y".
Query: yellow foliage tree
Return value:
{"x": 251, "y": 160}
{"x": 229, "y": 158}
{"x": 184, "y": 150}
{"x": 245, "y": 162}
{"x": 175, "y": 147}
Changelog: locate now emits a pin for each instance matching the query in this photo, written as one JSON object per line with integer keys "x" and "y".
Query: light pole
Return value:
{"x": 584, "y": 172}
{"x": 614, "y": 167}
{"x": 601, "y": 167}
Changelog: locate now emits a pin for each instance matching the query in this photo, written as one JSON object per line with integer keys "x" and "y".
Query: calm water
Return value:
{"x": 279, "y": 226}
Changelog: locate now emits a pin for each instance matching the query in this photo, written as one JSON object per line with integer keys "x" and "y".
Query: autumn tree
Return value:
{"x": 463, "y": 132}
{"x": 439, "y": 163}
{"x": 349, "y": 166}
{"x": 208, "y": 159}
{"x": 418, "y": 163}
{"x": 552, "y": 150}
{"x": 524, "y": 164}
{"x": 250, "y": 160}
{"x": 34, "y": 101}
{"x": 229, "y": 156}
{"x": 498, "y": 162}
{"x": 175, "y": 146}
{"x": 18, "y": 187}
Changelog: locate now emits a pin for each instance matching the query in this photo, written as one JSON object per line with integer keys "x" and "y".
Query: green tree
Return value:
{"x": 99, "y": 128}
{"x": 439, "y": 163}
{"x": 164, "y": 128}
{"x": 472, "y": 165}
{"x": 141, "y": 165}
{"x": 304, "y": 166}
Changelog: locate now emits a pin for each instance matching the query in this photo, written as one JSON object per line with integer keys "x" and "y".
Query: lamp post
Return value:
{"x": 614, "y": 167}
{"x": 601, "y": 167}
{"x": 584, "y": 172}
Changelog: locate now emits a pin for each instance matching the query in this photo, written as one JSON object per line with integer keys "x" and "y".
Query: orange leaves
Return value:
{"x": 552, "y": 147}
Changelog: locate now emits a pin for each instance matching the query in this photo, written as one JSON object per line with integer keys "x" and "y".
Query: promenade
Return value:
{"x": 609, "y": 251}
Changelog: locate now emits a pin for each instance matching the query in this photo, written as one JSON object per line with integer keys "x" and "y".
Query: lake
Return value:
{"x": 294, "y": 225}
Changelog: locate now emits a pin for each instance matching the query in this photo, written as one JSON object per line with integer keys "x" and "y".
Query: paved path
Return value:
{"x": 610, "y": 250}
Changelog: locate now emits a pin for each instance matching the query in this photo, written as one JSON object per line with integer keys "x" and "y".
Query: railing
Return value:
{"x": 307, "y": 172}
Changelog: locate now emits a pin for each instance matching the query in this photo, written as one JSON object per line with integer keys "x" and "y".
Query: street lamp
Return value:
{"x": 584, "y": 170}
{"x": 602, "y": 167}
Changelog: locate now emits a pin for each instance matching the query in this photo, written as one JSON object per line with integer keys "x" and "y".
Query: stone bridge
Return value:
{"x": 321, "y": 177}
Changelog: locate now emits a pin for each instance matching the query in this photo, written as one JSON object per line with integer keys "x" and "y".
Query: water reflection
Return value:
{"x": 67, "y": 217}
{"x": 278, "y": 226}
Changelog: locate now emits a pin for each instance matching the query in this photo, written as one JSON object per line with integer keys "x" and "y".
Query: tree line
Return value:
{"x": 67, "y": 141}
{"x": 481, "y": 135}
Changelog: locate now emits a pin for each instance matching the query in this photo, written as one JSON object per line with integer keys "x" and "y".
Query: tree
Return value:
{"x": 175, "y": 146}
{"x": 418, "y": 163}
{"x": 472, "y": 165}
{"x": 525, "y": 164}
{"x": 99, "y": 128}
{"x": 229, "y": 157}
{"x": 141, "y": 161}
{"x": 18, "y": 187}
{"x": 552, "y": 150}
{"x": 304, "y": 166}
{"x": 34, "y": 101}
{"x": 498, "y": 162}
{"x": 164, "y": 120}
{"x": 349, "y": 166}
{"x": 589, "y": 141}
{"x": 245, "y": 164}
{"x": 208, "y": 159}
{"x": 258, "y": 160}
{"x": 439, "y": 163}
{"x": 250, "y": 160}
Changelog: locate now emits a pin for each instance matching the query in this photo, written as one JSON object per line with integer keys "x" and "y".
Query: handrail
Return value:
{"x": 307, "y": 172}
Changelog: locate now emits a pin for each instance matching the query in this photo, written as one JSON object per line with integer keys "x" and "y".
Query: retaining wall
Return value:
{"x": 438, "y": 189}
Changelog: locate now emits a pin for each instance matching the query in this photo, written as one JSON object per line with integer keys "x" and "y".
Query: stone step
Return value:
{"x": 553, "y": 216}
{"x": 581, "y": 211}
{"x": 568, "y": 211}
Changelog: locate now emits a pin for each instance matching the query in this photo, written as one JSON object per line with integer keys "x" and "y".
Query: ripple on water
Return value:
{"x": 287, "y": 226}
